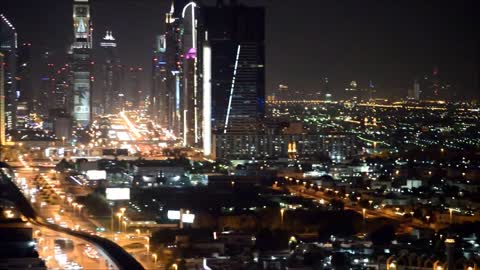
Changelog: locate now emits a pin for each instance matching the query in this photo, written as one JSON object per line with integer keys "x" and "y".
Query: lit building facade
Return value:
{"x": 8, "y": 47}
{"x": 43, "y": 101}
{"x": 160, "y": 96}
{"x": 135, "y": 89}
{"x": 336, "y": 146}
{"x": 2, "y": 103}
{"x": 236, "y": 36}
{"x": 174, "y": 67}
{"x": 110, "y": 85}
{"x": 81, "y": 63}
{"x": 190, "y": 102}
{"x": 24, "y": 84}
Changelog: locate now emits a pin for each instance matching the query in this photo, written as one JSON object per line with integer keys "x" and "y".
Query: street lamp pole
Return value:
{"x": 451, "y": 215}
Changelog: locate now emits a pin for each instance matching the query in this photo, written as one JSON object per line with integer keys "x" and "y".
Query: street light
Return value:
{"x": 125, "y": 224}
{"x": 148, "y": 240}
{"x": 119, "y": 215}
{"x": 80, "y": 206}
{"x": 137, "y": 231}
{"x": 364, "y": 211}
{"x": 74, "y": 207}
{"x": 282, "y": 212}
{"x": 148, "y": 248}
{"x": 451, "y": 214}
{"x": 428, "y": 219}
{"x": 154, "y": 255}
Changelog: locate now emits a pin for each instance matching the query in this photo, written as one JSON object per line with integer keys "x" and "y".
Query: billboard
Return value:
{"x": 188, "y": 218}
{"x": 117, "y": 194}
{"x": 175, "y": 215}
{"x": 96, "y": 174}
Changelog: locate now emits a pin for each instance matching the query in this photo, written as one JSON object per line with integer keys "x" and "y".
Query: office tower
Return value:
{"x": 173, "y": 38}
{"x": 326, "y": 89}
{"x": 81, "y": 63}
{"x": 24, "y": 85}
{"x": 190, "y": 91}
{"x": 236, "y": 34}
{"x": 352, "y": 90}
{"x": 416, "y": 90}
{"x": 136, "y": 93}
{"x": 60, "y": 94}
{"x": 282, "y": 92}
{"x": 2, "y": 102}
{"x": 46, "y": 86}
{"x": 110, "y": 85}
{"x": 160, "y": 96}
{"x": 8, "y": 47}
{"x": 207, "y": 98}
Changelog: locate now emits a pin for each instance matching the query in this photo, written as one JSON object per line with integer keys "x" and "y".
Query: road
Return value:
{"x": 406, "y": 223}
{"x": 66, "y": 213}
{"x": 117, "y": 257}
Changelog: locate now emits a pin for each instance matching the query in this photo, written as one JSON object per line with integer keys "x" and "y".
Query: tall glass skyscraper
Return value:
{"x": 110, "y": 86}
{"x": 8, "y": 47}
{"x": 82, "y": 63}
{"x": 236, "y": 35}
{"x": 160, "y": 96}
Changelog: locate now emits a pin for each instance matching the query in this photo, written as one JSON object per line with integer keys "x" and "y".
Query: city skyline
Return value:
{"x": 389, "y": 45}
{"x": 239, "y": 134}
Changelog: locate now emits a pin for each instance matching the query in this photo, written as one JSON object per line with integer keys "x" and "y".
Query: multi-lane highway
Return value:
{"x": 113, "y": 256}
{"x": 405, "y": 223}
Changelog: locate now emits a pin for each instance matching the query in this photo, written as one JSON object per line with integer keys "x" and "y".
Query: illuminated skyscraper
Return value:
{"x": 43, "y": 102}
{"x": 2, "y": 102}
{"x": 81, "y": 62}
{"x": 173, "y": 59}
{"x": 8, "y": 47}
{"x": 160, "y": 96}
{"x": 24, "y": 85}
{"x": 190, "y": 91}
{"x": 135, "y": 89}
{"x": 110, "y": 85}
{"x": 236, "y": 35}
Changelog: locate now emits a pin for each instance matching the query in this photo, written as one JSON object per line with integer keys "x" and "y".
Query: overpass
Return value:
{"x": 118, "y": 256}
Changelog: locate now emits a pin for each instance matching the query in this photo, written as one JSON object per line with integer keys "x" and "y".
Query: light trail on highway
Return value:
{"x": 130, "y": 125}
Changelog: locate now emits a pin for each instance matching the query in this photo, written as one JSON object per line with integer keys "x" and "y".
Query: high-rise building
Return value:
{"x": 60, "y": 95}
{"x": 24, "y": 85}
{"x": 160, "y": 96}
{"x": 2, "y": 102}
{"x": 173, "y": 59}
{"x": 81, "y": 63}
{"x": 135, "y": 89}
{"x": 190, "y": 102}
{"x": 8, "y": 47}
{"x": 110, "y": 85}
{"x": 416, "y": 90}
{"x": 43, "y": 102}
{"x": 236, "y": 34}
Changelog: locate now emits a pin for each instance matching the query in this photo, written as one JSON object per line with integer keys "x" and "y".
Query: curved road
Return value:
{"x": 121, "y": 258}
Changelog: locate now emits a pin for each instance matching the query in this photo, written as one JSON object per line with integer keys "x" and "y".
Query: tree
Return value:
{"x": 383, "y": 235}
{"x": 339, "y": 261}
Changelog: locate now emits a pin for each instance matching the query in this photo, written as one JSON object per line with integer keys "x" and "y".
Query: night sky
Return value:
{"x": 388, "y": 42}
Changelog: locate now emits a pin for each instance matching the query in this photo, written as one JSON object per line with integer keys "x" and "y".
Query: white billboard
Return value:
{"x": 188, "y": 218}
{"x": 118, "y": 194}
{"x": 173, "y": 214}
{"x": 96, "y": 174}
